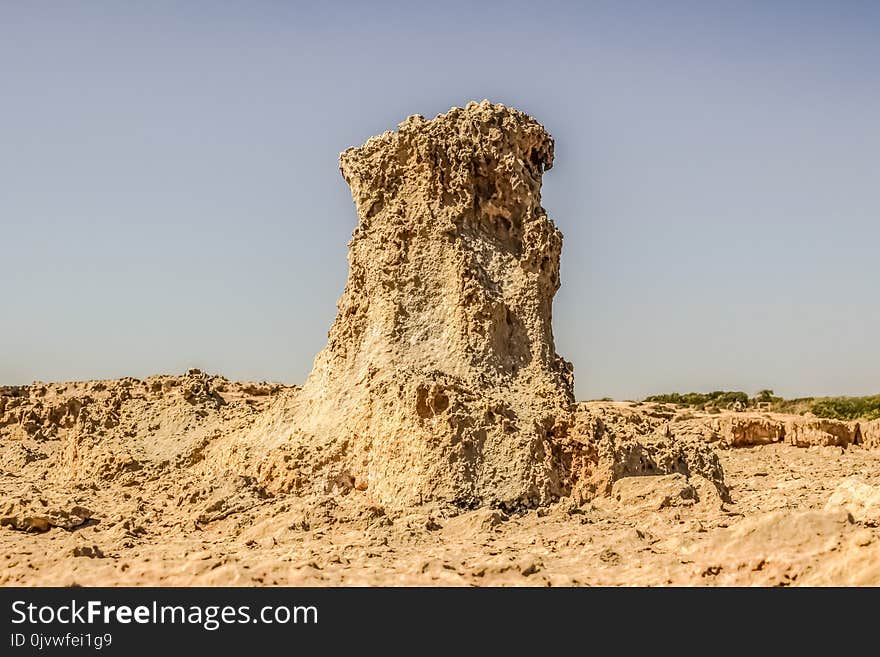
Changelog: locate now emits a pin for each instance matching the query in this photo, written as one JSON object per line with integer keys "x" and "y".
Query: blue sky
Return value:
{"x": 171, "y": 196}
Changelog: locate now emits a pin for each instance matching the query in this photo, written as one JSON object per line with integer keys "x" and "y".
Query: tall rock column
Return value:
{"x": 440, "y": 378}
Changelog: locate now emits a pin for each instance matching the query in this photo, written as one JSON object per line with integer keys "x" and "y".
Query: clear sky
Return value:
{"x": 170, "y": 198}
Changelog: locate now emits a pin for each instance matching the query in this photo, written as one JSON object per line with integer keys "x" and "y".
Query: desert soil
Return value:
{"x": 118, "y": 490}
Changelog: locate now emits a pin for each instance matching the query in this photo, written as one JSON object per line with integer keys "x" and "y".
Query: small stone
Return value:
{"x": 529, "y": 565}
{"x": 654, "y": 492}
{"x": 90, "y": 551}
{"x": 861, "y": 500}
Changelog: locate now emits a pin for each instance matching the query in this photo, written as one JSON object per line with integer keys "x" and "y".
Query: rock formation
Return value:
{"x": 861, "y": 500}
{"x": 870, "y": 433}
{"x": 613, "y": 442}
{"x": 746, "y": 430}
{"x": 93, "y": 432}
{"x": 440, "y": 380}
{"x": 804, "y": 432}
{"x": 439, "y": 390}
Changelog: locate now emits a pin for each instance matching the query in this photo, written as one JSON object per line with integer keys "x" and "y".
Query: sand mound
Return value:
{"x": 123, "y": 430}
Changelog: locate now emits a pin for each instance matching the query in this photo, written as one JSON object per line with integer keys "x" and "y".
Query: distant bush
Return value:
{"x": 765, "y": 396}
{"x": 797, "y": 406}
{"x": 718, "y": 398}
{"x": 836, "y": 408}
{"x": 847, "y": 408}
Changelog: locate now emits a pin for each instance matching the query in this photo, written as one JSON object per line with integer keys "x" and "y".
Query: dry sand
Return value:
{"x": 157, "y": 515}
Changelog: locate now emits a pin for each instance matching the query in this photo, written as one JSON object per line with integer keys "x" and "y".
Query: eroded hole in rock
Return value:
{"x": 440, "y": 402}
{"x": 422, "y": 408}
{"x": 535, "y": 159}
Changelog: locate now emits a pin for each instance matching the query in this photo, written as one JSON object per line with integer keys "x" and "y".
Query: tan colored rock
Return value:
{"x": 440, "y": 379}
{"x": 709, "y": 493}
{"x": 608, "y": 444}
{"x": 861, "y": 500}
{"x": 705, "y": 429}
{"x": 870, "y": 433}
{"x": 772, "y": 548}
{"x": 728, "y": 430}
{"x": 91, "y": 432}
{"x": 90, "y": 551}
{"x": 653, "y": 492}
{"x": 746, "y": 430}
{"x": 39, "y": 515}
{"x": 807, "y": 432}
{"x": 475, "y": 522}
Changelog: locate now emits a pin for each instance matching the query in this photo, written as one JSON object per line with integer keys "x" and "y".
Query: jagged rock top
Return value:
{"x": 484, "y": 157}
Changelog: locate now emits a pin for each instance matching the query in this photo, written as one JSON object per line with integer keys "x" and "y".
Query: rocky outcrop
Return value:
{"x": 123, "y": 430}
{"x": 40, "y": 515}
{"x": 807, "y": 432}
{"x": 440, "y": 379}
{"x": 785, "y": 548}
{"x": 728, "y": 430}
{"x": 744, "y": 430}
{"x": 861, "y": 500}
{"x": 610, "y": 444}
{"x": 741, "y": 431}
{"x": 653, "y": 493}
{"x": 870, "y": 433}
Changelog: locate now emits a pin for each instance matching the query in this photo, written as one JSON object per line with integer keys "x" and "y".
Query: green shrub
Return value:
{"x": 847, "y": 408}
{"x": 837, "y": 408}
{"x": 719, "y": 398}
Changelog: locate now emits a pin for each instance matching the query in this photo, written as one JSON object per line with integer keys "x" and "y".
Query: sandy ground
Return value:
{"x": 775, "y": 531}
